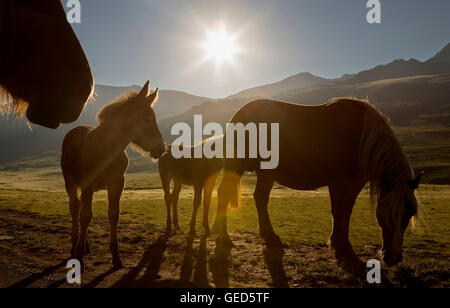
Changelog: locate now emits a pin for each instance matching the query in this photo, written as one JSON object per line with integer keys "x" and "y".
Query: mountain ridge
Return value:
{"x": 19, "y": 142}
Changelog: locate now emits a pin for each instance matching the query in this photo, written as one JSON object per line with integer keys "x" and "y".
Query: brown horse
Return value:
{"x": 341, "y": 145}
{"x": 200, "y": 173}
{"x": 44, "y": 70}
{"x": 95, "y": 158}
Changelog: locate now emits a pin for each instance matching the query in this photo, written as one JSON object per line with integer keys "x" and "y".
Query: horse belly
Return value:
{"x": 302, "y": 178}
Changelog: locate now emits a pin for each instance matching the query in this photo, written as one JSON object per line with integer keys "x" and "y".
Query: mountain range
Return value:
{"x": 410, "y": 92}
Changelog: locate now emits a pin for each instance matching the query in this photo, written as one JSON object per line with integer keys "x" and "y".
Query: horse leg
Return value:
{"x": 115, "y": 190}
{"x": 197, "y": 201}
{"x": 175, "y": 197}
{"x": 168, "y": 199}
{"x": 264, "y": 186}
{"x": 74, "y": 205}
{"x": 85, "y": 220}
{"x": 343, "y": 197}
{"x": 207, "y": 194}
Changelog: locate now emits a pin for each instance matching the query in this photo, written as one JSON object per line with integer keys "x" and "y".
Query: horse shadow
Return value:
{"x": 151, "y": 264}
{"x": 38, "y": 276}
{"x": 219, "y": 265}
{"x": 193, "y": 272}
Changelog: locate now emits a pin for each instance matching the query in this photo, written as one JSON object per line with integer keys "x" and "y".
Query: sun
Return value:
{"x": 220, "y": 46}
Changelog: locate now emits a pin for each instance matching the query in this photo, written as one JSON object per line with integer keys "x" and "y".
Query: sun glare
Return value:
{"x": 220, "y": 46}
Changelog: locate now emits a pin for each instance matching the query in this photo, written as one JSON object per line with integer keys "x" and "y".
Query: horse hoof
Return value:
{"x": 117, "y": 263}
{"x": 353, "y": 266}
{"x": 224, "y": 242}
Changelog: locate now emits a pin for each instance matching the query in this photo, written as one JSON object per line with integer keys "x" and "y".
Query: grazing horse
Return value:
{"x": 201, "y": 173}
{"x": 342, "y": 145}
{"x": 95, "y": 159}
{"x": 44, "y": 70}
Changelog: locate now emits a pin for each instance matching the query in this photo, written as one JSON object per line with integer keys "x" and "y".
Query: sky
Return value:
{"x": 130, "y": 41}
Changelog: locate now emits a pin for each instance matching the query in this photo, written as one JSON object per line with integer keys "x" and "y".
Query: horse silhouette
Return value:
{"x": 95, "y": 158}
{"x": 44, "y": 70}
{"x": 200, "y": 173}
{"x": 344, "y": 145}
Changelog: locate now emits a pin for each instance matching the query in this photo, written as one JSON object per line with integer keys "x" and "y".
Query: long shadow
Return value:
{"x": 273, "y": 257}
{"x": 57, "y": 284}
{"x": 38, "y": 276}
{"x": 188, "y": 261}
{"x": 219, "y": 266}
{"x": 99, "y": 279}
{"x": 193, "y": 273}
{"x": 201, "y": 267}
{"x": 151, "y": 261}
{"x": 200, "y": 270}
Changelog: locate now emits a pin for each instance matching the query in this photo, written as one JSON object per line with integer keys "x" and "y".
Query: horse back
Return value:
{"x": 317, "y": 144}
{"x": 189, "y": 171}
{"x": 79, "y": 161}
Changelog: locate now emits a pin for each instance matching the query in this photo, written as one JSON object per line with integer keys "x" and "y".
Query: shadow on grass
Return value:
{"x": 219, "y": 266}
{"x": 193, "y": 273}
{"x": 151, "y": 263}
{"x": 38, "y": 276}
{"x": 99, "y": 279}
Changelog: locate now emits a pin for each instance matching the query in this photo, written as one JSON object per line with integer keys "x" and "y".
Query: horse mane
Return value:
{"x": 384, "y": 162}
{"x": 117, "y": 107}
{"x": 11, "y": 104}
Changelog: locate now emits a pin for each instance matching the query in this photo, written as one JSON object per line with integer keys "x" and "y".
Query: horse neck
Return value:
{"x": 111, "y": 138}
{"x": 401, "y": 162}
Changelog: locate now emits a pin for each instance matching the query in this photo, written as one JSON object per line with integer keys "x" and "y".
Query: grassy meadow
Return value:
{"x": 302, "y": 219}
{"x": 35, "y": 220}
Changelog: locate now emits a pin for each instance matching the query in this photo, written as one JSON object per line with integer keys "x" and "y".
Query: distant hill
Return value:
{"x": 406, "y": 101}
{"x": 170, "y": 102}
{"x": 299, "y": 81}
{"x": 439, "y": 64}
{"x": 442, "y": 58}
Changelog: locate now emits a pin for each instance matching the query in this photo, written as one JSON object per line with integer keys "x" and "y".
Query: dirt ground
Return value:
{"x": 35, "y": 250}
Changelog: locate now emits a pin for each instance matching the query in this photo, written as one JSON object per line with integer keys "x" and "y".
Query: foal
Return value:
{"x": 201, "y": 173}
{"x": 95, "y": 159}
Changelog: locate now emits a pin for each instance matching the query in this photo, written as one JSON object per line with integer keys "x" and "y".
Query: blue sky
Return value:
{"x": 130, "y": 41}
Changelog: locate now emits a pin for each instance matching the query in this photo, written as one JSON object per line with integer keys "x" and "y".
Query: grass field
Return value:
{"x": 35, "y": 231}
{"x": 302, "y": 219}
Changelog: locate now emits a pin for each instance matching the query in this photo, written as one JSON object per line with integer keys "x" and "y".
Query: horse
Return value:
{"x": 44, "y": 71}
{"x": 343, "y": 145}
{"x": 200, "y": 173}
{"x": 94, "y": 159}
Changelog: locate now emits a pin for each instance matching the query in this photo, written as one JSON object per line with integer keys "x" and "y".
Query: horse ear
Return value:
{"x": 153, "y": 98}
{"x": 145, "y": 90}
{"x": 416, "y": 182}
